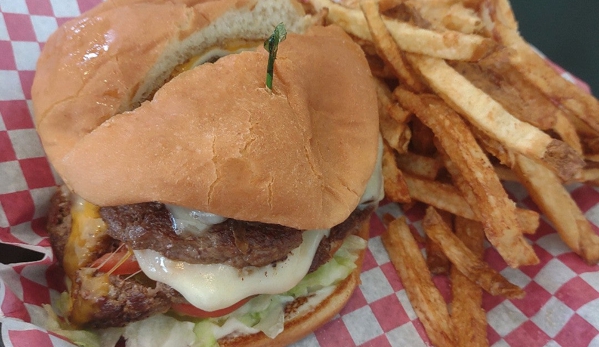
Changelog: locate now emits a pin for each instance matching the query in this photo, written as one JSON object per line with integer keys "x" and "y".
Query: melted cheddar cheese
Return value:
{"x": 87, "y": 232}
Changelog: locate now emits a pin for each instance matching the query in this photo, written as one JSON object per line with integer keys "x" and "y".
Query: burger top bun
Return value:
{"x": 214, "y": 138}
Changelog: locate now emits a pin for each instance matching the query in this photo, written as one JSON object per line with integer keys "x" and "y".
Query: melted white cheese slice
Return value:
{"x": 192, "y": 222}
{"x": 215, "y": 286}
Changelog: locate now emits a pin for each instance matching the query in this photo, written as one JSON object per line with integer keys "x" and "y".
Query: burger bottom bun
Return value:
{"x": 299, "y": 326}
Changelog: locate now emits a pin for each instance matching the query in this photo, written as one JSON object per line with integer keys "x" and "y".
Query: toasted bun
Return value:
{"x": 213, "y": 138}
{"x": 301, "y": 321}
{"x": 113, "y": 57}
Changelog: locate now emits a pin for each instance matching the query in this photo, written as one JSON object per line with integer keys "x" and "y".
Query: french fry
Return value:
{"x": 441, "y": 195}
{"x": 406, "y": 11}
{"x": 387, "y": 47}
{"x": 388, "y": 102}
{"x": 465, "y": 261}
{"x": 553, "y": 199}
{"x": 557, "y": 204}
{"x": 452, "y": 16}
{"x": 319, "y": 18}
{"x": 419, "y": 165}
{"x": 490, "y": 203}
{"x": 393, "y": 119}
{"x": 396, "y": 134}
{"x": 528, "y": 220}
{"x": 424, "y": 296}
{"x": 385, "y": 5}
{"x": 395, "y": 186}
{"x": 567, "y": 132}
{"x": 503, "y": 13}
{"x": 350, "y": 19}
{"x": 469, "y": 319}
{"x": 378, "y": 67}
{"x": 442, "y": 3}
{"x": 450, "y": 44}
{"x": 520, "y": 98}
{"x": 462, "y": 19}
{"x": 447, "y": 198}
{"x": 474, "y": 4}
{"x": 589, "y": 175}
{"x": 422, "y": 139}
{"x": 505, "y": 173}
{"x": 581, "y": 104}
{"x": 388, "y": 218}
{"x": 590, "y": 145}
{"x": 436, "y": 260}
{"x": 490, "y": 117}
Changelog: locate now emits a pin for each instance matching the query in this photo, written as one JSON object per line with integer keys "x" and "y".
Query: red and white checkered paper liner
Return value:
{"x": 561, "y": 307}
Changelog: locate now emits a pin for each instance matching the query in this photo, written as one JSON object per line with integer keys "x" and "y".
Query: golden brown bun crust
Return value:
{"x": 216, "y": 140}
{"x": 79, "y": 83}
{"x": 300, "y": 326}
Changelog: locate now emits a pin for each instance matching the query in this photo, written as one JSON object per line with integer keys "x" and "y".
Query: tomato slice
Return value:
{"x": 190, "y": 310}
{"x": 121, "y": 262}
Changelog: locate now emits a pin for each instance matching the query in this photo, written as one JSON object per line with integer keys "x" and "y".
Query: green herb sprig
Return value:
{"x": 272, "y": 45}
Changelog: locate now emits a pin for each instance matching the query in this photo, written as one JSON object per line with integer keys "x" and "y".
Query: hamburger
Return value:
{"x": 199, "y": 206}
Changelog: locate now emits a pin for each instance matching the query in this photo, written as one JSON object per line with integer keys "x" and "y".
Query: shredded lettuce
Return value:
{"x": 46, "y": 318}
{"x": 334, "y": 271}
{"x": 265, "y": 313}
{"x": 204, "y": 334}
{"x": 160, "y": 331}
{"x": 231, "y": 325}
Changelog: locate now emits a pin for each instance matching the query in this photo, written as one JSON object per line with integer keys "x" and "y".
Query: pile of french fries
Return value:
{"x": 465, "y": 103}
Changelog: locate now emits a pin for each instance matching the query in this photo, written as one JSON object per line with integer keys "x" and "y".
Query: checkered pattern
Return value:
{"x": 561, "y": 307}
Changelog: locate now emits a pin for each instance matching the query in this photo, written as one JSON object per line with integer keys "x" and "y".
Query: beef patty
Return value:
{"x": 232, "y": 242}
